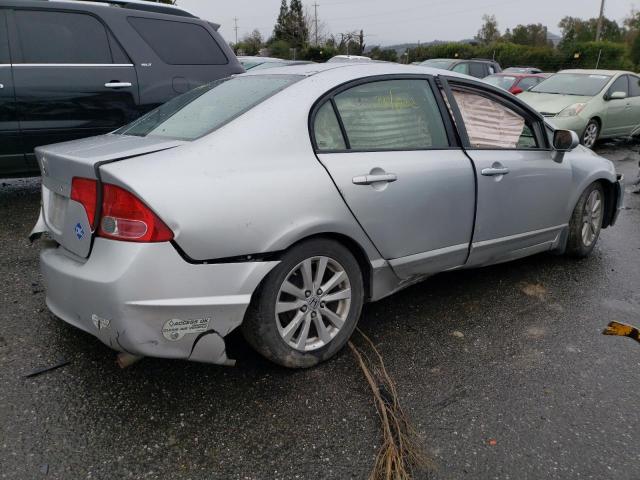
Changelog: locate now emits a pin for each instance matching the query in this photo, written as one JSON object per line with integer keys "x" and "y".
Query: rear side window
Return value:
{"x": 327, "y": 129}
{"x": 179, "y": 43}
{"x": 634, "y": 86}
{"x": 477, "y": 70}
{"x": 4, "y": 42}
{"x": 461, "y": 68}
{"x": 206, "y": 108}
{"x": 528, "y": 82}
{"x": 391, "y": 115}
{"x": 61, "y": 37}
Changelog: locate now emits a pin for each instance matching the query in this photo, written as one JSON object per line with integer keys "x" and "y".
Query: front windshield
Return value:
{"x": 502, "y": 81}
{"x": 206, "y": 108}
{"x": 582, "y": 84}
{"x": 437, "y": 63}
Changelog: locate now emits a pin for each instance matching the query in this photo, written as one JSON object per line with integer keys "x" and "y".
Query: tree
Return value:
{"x": 280, "y": 30}
{"x": 534, "y": 35}
{"x": 635, "y": 50}
{"x": 386, "y": 54}
{"x": 291, "y": 25}
{"x": 578, "y": 30}
{"x": 489, "y": 32}
{"x": 250, "y": 44}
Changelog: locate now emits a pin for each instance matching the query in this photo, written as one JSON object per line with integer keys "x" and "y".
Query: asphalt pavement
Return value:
{"x": 503, "y": 371}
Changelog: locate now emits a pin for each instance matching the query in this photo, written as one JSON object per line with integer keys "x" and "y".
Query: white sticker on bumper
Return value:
{"x": 175, "y": 328}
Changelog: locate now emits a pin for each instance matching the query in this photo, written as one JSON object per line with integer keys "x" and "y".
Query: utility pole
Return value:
{"x": 235, "y": 19}
{"x": 599, "y": 30}
{"x": 315, "y": 8}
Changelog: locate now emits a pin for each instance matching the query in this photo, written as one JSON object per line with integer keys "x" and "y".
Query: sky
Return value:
{"x": 404, "y": 21}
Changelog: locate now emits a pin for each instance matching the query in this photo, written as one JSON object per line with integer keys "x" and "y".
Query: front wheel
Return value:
{"x": 308, "y": 306}
{"x": 586, "y": 221}
{"x": 591, "y": 133}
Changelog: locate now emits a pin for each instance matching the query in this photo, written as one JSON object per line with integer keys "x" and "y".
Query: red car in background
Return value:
{"x": 516, "y": 82}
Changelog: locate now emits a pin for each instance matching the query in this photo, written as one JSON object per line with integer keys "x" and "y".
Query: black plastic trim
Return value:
{"x": 251, "y": 257}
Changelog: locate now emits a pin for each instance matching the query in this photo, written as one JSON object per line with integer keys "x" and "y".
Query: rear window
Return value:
{"x": 206, "y": 108}
{"x": 179, "y": 43}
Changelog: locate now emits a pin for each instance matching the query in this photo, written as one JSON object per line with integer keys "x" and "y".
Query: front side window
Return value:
{"x": 206, "y": 108}
{"x": 391, "y": 115}
{"x": 573, "y": 84}
{"x": 620, "y": 85}
{"x": 491, "y": 124}
{"x": 634, "y": 86}
{"x": 477, "y": 70}
{"x": 502, "y": 81}
{"x": 461, "y": 68}
{"x": 179, "y": 43}
{"x": 61, "y": 37}
{"x": 527, "y": 82}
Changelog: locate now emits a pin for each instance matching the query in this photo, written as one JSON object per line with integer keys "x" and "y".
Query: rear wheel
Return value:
{"x": 591, "y": 133}
{"x": 308, "y": 306}
{"x": 586, "y": 221}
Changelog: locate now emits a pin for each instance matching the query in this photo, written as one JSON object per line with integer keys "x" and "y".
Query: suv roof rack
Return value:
{"x": 140, "y": 5}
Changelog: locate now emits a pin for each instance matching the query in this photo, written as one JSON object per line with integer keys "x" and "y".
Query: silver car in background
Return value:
{"x": 281, "y": 201}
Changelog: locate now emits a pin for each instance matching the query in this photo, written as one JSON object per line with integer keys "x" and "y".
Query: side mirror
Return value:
{"x": 617, "y": 96}
{"x": 564, "y": 141}
{"x": 516, "y": 90}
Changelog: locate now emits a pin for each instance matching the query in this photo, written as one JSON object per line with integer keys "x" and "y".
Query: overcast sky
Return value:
{"x": 398, "y": 21}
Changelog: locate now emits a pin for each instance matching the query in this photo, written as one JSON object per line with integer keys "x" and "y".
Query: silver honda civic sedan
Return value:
{"x": 281, "y": 201}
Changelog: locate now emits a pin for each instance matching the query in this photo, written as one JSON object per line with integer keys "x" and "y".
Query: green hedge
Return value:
{"x": 614, "y": 55}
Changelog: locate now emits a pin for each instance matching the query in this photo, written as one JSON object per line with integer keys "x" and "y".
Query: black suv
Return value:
{"x": 476, "y": 67}
{"x": 75, "y": 69}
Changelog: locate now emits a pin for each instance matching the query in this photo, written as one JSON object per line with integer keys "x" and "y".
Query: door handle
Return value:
{"x": 117, "y": 84}
{"x": 369, "y": 179}
{"x": 492, "y": 172}
{"x": 1, "y": 85}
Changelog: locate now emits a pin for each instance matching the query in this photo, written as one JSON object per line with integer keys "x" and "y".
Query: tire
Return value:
{"x": 280, "y": 336}
{"x": 591, "y": 133}
{"x": 586, "y": 222}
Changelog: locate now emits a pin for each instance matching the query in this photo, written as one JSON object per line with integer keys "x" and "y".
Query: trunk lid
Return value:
{"x": 66, "y": 219}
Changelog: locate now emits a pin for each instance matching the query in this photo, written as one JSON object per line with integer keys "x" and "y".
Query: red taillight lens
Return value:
{"x": 85, "y": 191}
{"x": 124, "y": 217}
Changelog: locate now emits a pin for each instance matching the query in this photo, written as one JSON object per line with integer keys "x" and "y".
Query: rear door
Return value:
{"x": 12, "y": 160}
{"x": 392, "y": 156}
{"x": 634, "y": 104}
{"x": 72, "y": 78}
{"x": 522, "y": 193}
{"x": 618, "y": 118}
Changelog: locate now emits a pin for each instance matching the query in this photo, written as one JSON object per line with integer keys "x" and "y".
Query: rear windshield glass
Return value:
{"x": 208, "y": 107}
{"x": 437, "y": 63}
{"x": 502, "y": 81}
{"x": 573, "y": 84}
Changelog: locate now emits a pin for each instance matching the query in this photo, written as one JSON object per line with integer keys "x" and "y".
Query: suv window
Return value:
{"x": 179, "y": 43}
{"x": 61, "y": 37}
{"x": 476, "y": 69}
{"x": 491, "y": 124}
{"x": 620, "y": 85}
{"x": 461, "y": 68}
{"x": 391, "y": 115}
{"x": 634, "y": 86}
{"x": 4, "y": 41}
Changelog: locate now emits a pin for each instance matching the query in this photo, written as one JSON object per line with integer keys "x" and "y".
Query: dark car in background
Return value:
{"x": 476, "y": 67}
{"x": 77, "y": 69}
{"x": 515, "y": 83}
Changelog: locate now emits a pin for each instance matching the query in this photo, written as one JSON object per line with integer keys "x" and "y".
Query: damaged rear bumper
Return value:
{"x": 144, "y": 299}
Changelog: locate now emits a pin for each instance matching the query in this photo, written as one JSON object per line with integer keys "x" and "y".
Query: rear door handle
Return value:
{"x": 492, "y": 172}
{"x": 369, "y": 179}
{"x": 117, "y": 84}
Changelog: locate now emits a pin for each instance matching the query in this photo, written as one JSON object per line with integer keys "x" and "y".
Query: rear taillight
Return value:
{"x": 123, "y": 215}
{"x": 84, "y": 191}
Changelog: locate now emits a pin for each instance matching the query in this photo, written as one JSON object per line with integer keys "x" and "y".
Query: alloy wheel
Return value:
{"x": 591, "y": 218}
{"x": 313, "y": 303}
{"x": 590, "y": 135}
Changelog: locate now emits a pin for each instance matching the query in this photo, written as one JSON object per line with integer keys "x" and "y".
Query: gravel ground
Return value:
{"x": 502, "y": 370}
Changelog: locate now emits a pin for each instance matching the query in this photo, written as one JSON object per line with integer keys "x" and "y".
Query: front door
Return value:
{"x": 71, "y": 78}
{"x": 12, "y": 160}
{"x": 391, "y": 158}
{"x": 618, "y": 117}
{"x": 522, "y": 192}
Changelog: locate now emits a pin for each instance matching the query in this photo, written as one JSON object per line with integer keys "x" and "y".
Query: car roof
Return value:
{"x": 357, "y": 70}
{"x": 517, "y": 74}
{"x": 596, "y": 72}
{"x": 261, "y": 59}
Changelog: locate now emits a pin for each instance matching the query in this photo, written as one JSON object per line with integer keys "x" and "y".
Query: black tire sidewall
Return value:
{"x": 575, "y": 245}
{"x": 259, "y": 327}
